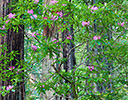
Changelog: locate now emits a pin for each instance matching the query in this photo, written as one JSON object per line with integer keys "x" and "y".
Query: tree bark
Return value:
{"x": 15, "y": 42}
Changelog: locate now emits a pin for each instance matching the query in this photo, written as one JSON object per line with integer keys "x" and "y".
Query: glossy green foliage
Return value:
{"x": 100, "y": 63}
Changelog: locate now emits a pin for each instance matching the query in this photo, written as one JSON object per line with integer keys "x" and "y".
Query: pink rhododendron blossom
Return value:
{"x": 85, "y": 23}
{"x": 69, "y": 37}
{"x": 43, "y": 85}
{"x": 30, "y": 11}
{"x": 35, "y": 16}
{"x": 55, "y": 40}
{"x": 122, "y": 24}
{"x": 53, "y": 2}
{"x": 11, "y": 15}
{"x": 63, "y": 4}
{"x": 45, "y": 18}
{"x": 91, "y": 68}
{"x": 118, "y": 23}
{"x": 33, "y": 34}
{"x": 99, "y": 37}
{"x": 94, "y": 8}
{"x": 96, "y": 37}
{"x": 3, "y": 28}
{"x": 34, "y": 47}
{"x": 36, "y": 1}
{"x": 7, "y": 21}
{"x": 54, "y": 17}
{"x": 43, "y": 13}
{"x": 9, "y": 87}
{"x": 11, "y": 67}
{"x": 37, "y": 33}
{"x": 60, "y": 14}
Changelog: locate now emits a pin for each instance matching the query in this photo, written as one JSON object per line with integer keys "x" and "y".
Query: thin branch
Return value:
{"x": 37, "y": 39}
{"x": 119, "y": 36}
{"x": 34, "y": 37}
{"x": 61, "y": 75}
{"x": 74, "y": 48}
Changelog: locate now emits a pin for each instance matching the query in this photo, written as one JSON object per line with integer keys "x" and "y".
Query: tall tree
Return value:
{"x": 15, "y": 42}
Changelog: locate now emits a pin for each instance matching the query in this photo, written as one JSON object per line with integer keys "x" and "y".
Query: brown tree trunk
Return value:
{"x": 15, "y": 41}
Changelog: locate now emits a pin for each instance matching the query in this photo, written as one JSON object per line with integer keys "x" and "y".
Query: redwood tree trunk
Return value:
{"x": 15, "y": 41}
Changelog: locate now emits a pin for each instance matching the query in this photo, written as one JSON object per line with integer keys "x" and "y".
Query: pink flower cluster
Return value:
{"x": 9, "y": 87}
{"x": 11, "y": 15}
{"x": 7, "y": 21}
{"x": 91, "y": 68}
{"x": 34, "y": 47}
{"x": 33, "y": 34}
{"x": 11, "y": 67}
{"x": 64, "y": 4}
{"x": 96, "y": 37}
{"x": 35, "y": 16}
{"x": 36, "y": 1}
{"x": 121, "y": 24}
{"x": 69, "y": 37}
{"x": 85, "y": 23}
{"x": 54, "y": 17}
{"x": 31, "y": 12}
{"x": 55, "y": 40}
{"x": 45, "y": 18}
{"x": 53, "y": 2}
{"x": 60, "y": 14}
{"x": 94, "y": 8}
{"x": 42, "y": 86}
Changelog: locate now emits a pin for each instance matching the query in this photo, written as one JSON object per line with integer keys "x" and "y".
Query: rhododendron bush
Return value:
{"x": 100, "y": 39}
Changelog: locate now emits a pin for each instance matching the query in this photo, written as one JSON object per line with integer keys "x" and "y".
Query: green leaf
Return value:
{"x": 98, "y": 42}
